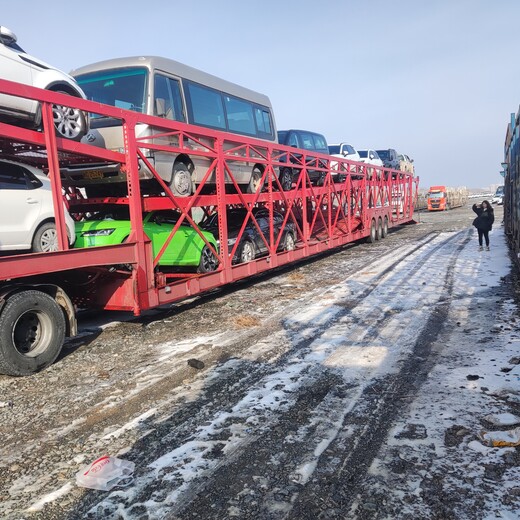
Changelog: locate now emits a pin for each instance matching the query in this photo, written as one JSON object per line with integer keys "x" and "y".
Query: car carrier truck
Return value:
{"x": 443, "y": 198}
{"x": 41, "y": 293}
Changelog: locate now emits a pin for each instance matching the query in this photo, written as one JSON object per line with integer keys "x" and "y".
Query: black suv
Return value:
{"x": 305, "y": 140}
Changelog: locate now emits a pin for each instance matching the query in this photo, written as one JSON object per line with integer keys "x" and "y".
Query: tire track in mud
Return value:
{"x": 276, "y": 488}
{"x": 332, "y": 492}
{"x": 317, "y": 387}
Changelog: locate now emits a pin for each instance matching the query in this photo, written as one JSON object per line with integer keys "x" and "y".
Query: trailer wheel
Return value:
{"x": 208, "y": 261}
{"x": 372, "y": 237}
{"x": 379, "y": 232}
{"x": 385, "y": 228}
{"x": 181, "y": 184}
{"x": 32, "y": 329}
{"x": 247, "y": 252}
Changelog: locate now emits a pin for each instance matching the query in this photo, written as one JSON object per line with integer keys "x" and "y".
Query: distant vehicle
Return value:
{"x": 27, "y": 218}
{"x": 444, "y": 198}
{"x": 252, "y": 244}
{"x": 389, "y": 157}
{"x": 185, "y": 249}
{"x": 371, "y": 157}
{"x": 344, "y": 150}
{"x": 498, "y": 198}
{"x": 173, "y": 91}
{"x": 406, "y": 164}
{"x": 309, "y": 141}
{"x": 17, "y": 65}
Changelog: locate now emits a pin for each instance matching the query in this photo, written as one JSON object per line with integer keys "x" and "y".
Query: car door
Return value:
{"x": 15, "y": 67}
{"x": 262, "y": 219}
{"x": 22, "y": 196}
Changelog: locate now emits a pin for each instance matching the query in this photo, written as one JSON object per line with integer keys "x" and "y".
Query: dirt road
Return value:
{"x": 354, "y": 385}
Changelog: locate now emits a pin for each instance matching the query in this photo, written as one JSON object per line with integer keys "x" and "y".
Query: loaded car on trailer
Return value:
{"x": 17, "y": 65}
{"x": 171, "y": 91}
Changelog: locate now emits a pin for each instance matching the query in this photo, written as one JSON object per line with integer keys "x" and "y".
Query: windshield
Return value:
{"x": 121, "y": 88}
{"x": 383, "y": 154}
{"x": 363, "y": 154}
{"x": 334, "y": 149}
{"x": 437, "y": 195}
{"x": 500, "y": 191}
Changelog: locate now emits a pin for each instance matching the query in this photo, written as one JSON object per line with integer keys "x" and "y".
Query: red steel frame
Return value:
{"x": 339, "y": 211}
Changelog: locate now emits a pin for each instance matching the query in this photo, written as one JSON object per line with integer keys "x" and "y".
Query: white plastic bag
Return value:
{"x": 106, "y": 473}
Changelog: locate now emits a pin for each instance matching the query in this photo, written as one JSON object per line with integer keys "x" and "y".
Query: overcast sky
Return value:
{"x": 434, "y": 79}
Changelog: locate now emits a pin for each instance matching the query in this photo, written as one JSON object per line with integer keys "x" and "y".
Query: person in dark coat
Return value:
{"x": 483, "y": 222}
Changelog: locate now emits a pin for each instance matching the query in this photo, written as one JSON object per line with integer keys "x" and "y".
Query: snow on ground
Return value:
{"x": 360, "y": 330}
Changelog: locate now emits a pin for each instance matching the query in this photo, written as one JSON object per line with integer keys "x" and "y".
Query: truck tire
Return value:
{"x": 32, "y": 330}
{"x": 379, "y": 232}
{"x": 384, "y": 234}
{"x": 372, "y": 237}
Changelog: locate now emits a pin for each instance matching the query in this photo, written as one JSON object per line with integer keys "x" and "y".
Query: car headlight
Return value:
{"x": 231, "y": 241}
{"x": 98, "y": 233}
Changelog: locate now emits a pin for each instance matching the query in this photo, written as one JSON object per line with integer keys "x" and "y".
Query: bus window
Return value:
{"x": 205, "y": 106}
{"x": 167, "y": 98}
{"x": 239, "y": 116}
{"x": 263, "y": 122}
{"x": 124, "y": 88}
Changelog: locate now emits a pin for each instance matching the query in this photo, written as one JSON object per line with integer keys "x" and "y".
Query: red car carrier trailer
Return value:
{"x": 41, "y": 292}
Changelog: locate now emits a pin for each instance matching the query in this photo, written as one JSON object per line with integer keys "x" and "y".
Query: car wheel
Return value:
{"x": 32, "y": 329}
{"x": 45, "y": 239}
{"x": 255, "y": 184}
{"x": 181, "y": 183}
{"x": 289, "y": 242}
{"x": 247, "y": 252}
{"x": 208, "y": 261}
{"x": 70, "y": 123}
{"x": 286, "y": 179}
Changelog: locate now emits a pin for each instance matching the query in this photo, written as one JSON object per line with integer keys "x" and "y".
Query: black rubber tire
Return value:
{"x": 208, "y": 261}
{"x": 247, "y": 252}
{"x": 289, "y": 242}
{"x": 255, "y": 182}
{"x": 385, "y": 228}
{"x": 384, "y": 234}
{"x": 181, "y": 183}
{"x": 45, "y": 239}
{"x": 69, "y": 123}
{"x": 286, "y": 179}
{"x": 379, "y": 231}
{"x": 32, "y": 330}
{"x": 371, "y": 238}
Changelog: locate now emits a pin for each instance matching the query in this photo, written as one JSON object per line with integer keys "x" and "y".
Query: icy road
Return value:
{"x": 357, "y": 385}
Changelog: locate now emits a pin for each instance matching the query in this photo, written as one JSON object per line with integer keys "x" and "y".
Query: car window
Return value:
{"x": 12, "y": 177}
{"x": 320, "y": 145}
{"x": 334, "y": 149}
{"x": 349, "y": 150}
{"x": 168, "y": 99}
{"x": 362, "y": 154}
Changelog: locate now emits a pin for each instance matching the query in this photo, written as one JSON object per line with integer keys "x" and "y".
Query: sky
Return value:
{"x": 435, "y": 80}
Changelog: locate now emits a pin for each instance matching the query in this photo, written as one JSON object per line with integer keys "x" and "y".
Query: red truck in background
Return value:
{"x": 443, "y": 198}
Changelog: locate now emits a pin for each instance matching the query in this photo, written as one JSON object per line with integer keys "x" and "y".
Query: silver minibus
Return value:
{"x": 168, "y": 89}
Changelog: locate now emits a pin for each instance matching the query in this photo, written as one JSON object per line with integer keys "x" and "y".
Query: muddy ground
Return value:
{"x": 335, "y": 388}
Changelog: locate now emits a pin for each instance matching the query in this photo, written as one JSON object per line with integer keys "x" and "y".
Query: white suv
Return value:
{"x": 16, "y": 65}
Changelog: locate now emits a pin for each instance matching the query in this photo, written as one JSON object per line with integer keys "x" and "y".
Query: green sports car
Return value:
{"x": 186, "y": 248}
